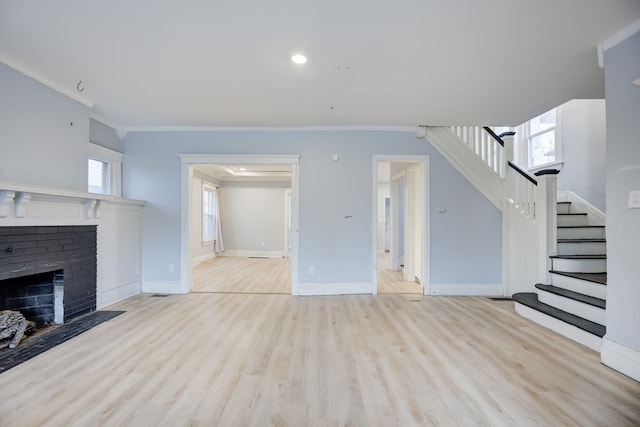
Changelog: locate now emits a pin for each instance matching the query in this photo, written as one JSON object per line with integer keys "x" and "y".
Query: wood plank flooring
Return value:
{"x": 273, "y": 276}
{"x": 215, "y": 359}
{"x": 243, "y": 275}
{"x": 392, "y": 282}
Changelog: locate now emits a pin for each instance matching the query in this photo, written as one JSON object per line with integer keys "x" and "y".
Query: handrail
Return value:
{"x": 494, "y": 135}
{"x": 523, "y": 173}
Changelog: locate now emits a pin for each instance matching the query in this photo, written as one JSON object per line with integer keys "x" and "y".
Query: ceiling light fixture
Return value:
{"x": 299, "y": 59}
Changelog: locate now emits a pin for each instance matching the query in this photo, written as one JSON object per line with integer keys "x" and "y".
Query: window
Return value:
{"x": 539, "y": 135}
{"x": 208, "y": 213}
{"x": 98, "y": 177}
{"x": 105, "y": 171}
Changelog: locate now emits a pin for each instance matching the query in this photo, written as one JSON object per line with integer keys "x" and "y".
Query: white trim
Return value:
{"x": 355, "y": 288}
{"x": 250, "y": 253}
{"x": 621, "y": 358}
{"x": 187, "y": 160}
{"x": 467, "y": 289}
{"x": 576, "y": 334}
{"x": 594, "y": 215}
{"x": 203, "y": 258}
{"x": 267, "y": 128}
{"x": 162, "y": 288}
{"x": 51, "y": 84}
{"x": 230, "y": 159}
{"x": 620, "y": 36}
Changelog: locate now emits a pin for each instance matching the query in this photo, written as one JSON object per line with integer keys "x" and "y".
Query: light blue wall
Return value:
{"x": 104, "y": 135}
{"x": 253, "y": 216}
{"x": 465, "y": 242}
{"x": 43, "y": 134}
{"x": 622, "y": 66}
{"x": 583, "y": 136}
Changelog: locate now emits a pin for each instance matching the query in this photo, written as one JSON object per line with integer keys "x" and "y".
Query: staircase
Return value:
{"x": 574, "y": 303}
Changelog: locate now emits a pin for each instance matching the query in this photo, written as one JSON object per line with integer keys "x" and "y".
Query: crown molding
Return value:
{"x": 40, "y": 78}
{"x": 268, "y": 128}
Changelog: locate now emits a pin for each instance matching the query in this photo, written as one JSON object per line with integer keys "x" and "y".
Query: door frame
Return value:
{"x": 188, "y": 160}
{"x": 425, "y": 234}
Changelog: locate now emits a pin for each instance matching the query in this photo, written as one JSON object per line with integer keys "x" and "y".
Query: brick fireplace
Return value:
{"x": 48, "y": 272}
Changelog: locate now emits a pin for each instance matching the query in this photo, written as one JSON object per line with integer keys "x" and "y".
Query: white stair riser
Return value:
{"x": 563, "y": 208}
{"x": 571, "y": 220}
{"x": 580, "y": 265}
{"x": 585, "y": 338}
{"x": 583, "y": 248}
{"x": 581, "y": 233}
{"x": 582, "y": 286}
{"x": 580, "y": 309}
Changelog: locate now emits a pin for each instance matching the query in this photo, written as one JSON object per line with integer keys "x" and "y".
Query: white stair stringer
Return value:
{"x": 467, "y": 163}
{"x": 586, "y": 311}
{"x": 572, "y": 332}
{"x": 585, "y": 287}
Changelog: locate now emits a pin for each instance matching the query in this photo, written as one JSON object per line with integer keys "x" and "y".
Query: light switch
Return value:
{"x": 634, "y": 199}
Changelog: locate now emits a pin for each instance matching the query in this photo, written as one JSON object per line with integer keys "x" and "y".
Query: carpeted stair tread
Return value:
{"x": 530, "y": 300}
{"x": 596, "y": 302}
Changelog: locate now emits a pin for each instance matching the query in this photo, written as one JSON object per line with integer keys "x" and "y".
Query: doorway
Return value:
{"x": 401, "y": 244}
{"x": 253, "y": 258}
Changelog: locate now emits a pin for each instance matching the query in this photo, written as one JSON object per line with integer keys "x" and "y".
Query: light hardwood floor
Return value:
{"x": 243, "y": 275}
{"x": 273, "y": 276}
{"x": 212, "y": 359}
{"x": 392, "y": 282}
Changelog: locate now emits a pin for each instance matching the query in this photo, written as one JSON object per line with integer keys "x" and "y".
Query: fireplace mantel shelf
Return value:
{"x": 53, "y": 204}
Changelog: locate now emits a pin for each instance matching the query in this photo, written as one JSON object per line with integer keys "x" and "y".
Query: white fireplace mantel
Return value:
{"x": 25, "y": 205}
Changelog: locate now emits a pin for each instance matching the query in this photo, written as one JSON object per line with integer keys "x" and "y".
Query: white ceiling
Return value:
{"x": 371, "y": 62}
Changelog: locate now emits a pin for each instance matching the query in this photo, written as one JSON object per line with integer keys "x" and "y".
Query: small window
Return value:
{"x": 105, "y": 171}
{"x": 98, "y": 177}
{"x": 208, "y": 213}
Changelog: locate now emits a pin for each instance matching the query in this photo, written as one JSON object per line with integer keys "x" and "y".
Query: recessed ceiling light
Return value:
{"x": 299, "y": 58}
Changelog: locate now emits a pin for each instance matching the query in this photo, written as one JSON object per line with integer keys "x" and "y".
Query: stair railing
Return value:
{"x": 521, "y": 191}
{"x": 486, "y": 144}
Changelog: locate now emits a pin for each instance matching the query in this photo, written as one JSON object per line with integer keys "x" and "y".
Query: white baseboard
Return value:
{"x": 308, "y": 289}
{"x": 469, "y": 289}
{"x": 249, "y": 254}
{"x": 621, "y": 358}
{"x": 119, "y": 293}
{"x": 576, "y": 334}
{"x": 161, "y": 287}
{"x": 203, "y": 258}
{"x": 595, "y": 215}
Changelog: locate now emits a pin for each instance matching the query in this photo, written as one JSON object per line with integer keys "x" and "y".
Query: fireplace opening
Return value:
{"x": 38, "y": 297}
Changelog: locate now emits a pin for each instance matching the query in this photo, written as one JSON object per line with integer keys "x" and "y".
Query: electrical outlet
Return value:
{"x": 172, "y": 267}
{"x": 634, "y": 199}
{"x": 312, "y": 269}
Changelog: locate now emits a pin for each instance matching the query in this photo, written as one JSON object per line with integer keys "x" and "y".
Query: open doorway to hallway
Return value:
{"x": 400, "y": 244}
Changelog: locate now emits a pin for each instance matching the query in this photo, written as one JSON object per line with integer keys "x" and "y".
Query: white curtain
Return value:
{"x": 217, "y": 227}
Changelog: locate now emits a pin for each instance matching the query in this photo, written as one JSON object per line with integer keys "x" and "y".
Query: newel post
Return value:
{"x": 546, "y": 219}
